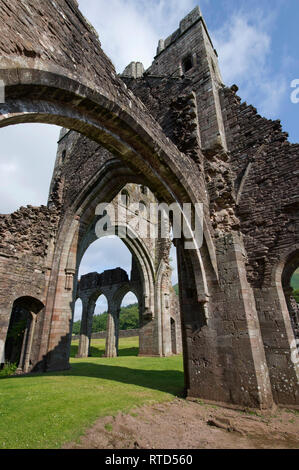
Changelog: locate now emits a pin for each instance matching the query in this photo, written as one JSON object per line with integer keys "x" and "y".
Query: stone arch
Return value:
{"x": 164, "y": 169}
{"x": 21, "y": 335}
{"x": 117, "y": 301}
{"x": 138, "y": 250}
{"x": 277, "y": 331}
{"x": 287, "y": 266}
{"x": 52, "y": 95}
{"x": 123, "y": 291}
{"x": 89, "y": 300}
{"x": 143, "y": 289}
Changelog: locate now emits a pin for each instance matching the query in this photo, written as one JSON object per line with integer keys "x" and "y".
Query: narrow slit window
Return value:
{"x": 187, "y": 63}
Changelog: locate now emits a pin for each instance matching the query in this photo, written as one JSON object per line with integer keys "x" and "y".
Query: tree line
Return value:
{"x": 128, "y": 320}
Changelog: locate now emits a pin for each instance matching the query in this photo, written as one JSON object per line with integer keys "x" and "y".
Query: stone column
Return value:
{"x": 21, "y": 365}
{"x": 224, "y": 355}
{"x": 173, "y": 336}
{"x": 86, "y": 328}
{"x": 280, "y": 343}
{"x": 30, "y": 342}
{"x": 112, "y": 334}
{"x": 148, "y": 331}
{"x": 166, "y": 328}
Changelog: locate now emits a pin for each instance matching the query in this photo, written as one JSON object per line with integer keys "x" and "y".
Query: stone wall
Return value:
{"x": 103, "y": 334}
{"x": 28, "y": 231}
{"x": 265, "y": 166}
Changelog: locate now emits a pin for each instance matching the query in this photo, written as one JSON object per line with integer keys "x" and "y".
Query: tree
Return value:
{"x": 129, "y": 317}
{"x": 296, "y": 295}
{"x": 128, "y": 320}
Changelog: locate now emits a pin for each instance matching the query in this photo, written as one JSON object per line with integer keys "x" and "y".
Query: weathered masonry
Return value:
{"x": 179, "y": 131}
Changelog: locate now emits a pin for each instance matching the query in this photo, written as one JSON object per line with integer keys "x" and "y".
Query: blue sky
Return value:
{"x": 257, "y": 44}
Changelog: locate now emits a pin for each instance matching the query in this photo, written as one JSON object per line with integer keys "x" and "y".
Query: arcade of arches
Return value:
{"x": 177, "y": 130}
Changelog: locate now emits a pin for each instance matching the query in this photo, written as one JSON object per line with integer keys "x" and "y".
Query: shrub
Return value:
{"x": 8, "y": 369}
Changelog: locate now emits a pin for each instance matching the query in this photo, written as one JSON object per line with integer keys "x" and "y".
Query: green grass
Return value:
{"x": 42, "y": 411}
{"x": 127, "y": 347}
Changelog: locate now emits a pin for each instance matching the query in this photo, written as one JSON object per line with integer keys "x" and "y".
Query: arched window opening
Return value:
{"x": 99, "y": 323}
{"x": 128, "y": 324}
{"x": 104, "y": 266}
{"x": 105, "y": 254}
{"x": 19, "y": 343}
{"x": 77, "y": 314}
{"x": 293, "y": 303}
{"x": 174, "y": 268}
{"x": 76, "y": 330}
{"x": 290, "y": 284}
{"x": 99, "y": 327}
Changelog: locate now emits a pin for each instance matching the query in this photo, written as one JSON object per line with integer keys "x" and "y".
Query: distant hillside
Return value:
{"x": 176, "y": 289}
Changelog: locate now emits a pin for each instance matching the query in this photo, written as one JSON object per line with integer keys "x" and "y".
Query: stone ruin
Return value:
{"x": 176, "y": 129}
{"x": 114, "y": 284}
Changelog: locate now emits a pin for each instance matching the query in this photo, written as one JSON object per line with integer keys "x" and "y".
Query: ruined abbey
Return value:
{"x": 173, "y": 133}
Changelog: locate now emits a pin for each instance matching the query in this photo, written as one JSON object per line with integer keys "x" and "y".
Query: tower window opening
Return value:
{"x": 187, "y": 63}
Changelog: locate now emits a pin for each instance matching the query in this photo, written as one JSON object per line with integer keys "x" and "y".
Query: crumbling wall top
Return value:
{"x": 185, "y": 24}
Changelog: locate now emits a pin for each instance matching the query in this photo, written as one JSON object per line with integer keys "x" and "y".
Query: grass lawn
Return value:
{"x": 42, "y": 411}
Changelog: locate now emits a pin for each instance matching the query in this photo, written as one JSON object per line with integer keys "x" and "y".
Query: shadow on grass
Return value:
{"x": 167, "y": 381}
{"x": 98, "y": 352}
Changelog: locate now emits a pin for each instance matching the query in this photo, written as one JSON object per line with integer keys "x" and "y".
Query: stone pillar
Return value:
{"x": 30, "y": 341}
{"x": 21, "y": 365}
{"x": 86, "y": 328}
{"x": 149, "y": 330}
{"x": 223, "y": 351}
{"x": 280, "y": 344}
{"x": 112, "y": 333}
{"x": 166, "y": 328}
{"x": 173, "y": 336}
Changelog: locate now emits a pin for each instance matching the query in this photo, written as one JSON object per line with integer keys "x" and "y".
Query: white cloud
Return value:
{"x": 130, "y": 30}
{"x": 106, "y": 253}
{"x": 244, "y": 49}
{"x": 129, "y": 299}
{"x": 27, "y": 156}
